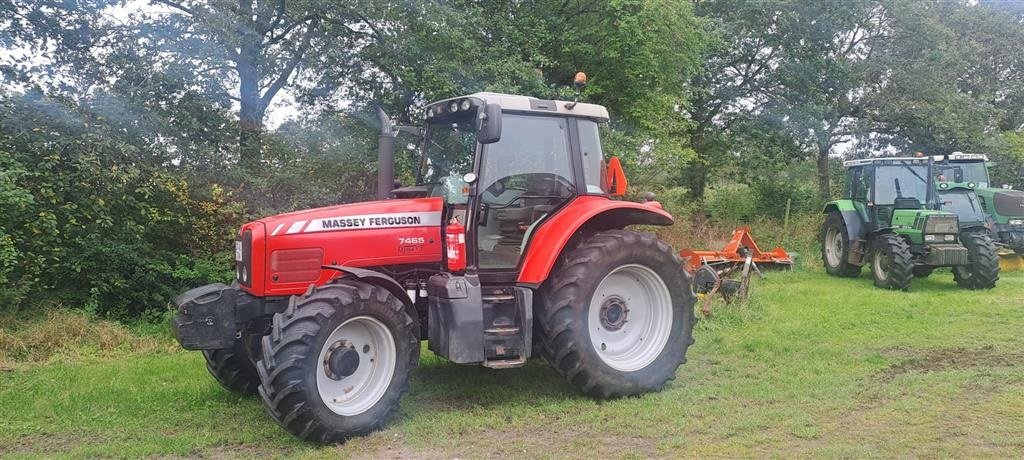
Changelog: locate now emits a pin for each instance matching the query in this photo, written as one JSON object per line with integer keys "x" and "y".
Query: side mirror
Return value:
{"x": 615, "y": 177}
{"x": 1020, "y": 173}
{"x": 488, "y": 123}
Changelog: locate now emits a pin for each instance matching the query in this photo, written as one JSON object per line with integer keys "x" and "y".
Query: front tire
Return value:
{"x": 233, "y": 369}
{"x": 337, "y": 361}
{"x": 835, "y": 247}
{"x": 616, "y": 316}
{"x": 892, "y": 264}
{"x": 982, "y": 270}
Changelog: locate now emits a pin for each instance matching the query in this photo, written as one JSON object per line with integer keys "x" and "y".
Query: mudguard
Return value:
{"x": 376, "y": 278}
{"x": 854, "y": 224}
{"x": 591, "y": 212}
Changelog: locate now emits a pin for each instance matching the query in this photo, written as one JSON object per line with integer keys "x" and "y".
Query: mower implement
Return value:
{"x": 711, "y": 270}
{"x": 510, "y": 245}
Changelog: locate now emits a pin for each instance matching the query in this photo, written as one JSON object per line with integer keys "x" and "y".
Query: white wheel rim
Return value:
{"x": 630, "y": 317}
{"x": 833, "y": 246}
{"x": 881, "y": 264}
{"x": 362, "y": 389}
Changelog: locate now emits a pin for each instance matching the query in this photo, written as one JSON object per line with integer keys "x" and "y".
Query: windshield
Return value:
{"x": 975, "y": 172}
{"x": 900, "y": 180}
{"x": 963, "y": 203}
{"x": 448, "y": 150}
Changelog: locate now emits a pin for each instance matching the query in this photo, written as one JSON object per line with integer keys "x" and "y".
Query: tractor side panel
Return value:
{"x": 550, "y": 239}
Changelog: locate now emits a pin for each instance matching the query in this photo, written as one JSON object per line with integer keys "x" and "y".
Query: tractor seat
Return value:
{"x": 907, "y": 203}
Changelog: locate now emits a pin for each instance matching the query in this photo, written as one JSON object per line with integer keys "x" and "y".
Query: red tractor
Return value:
{"x": 508, "y": 246}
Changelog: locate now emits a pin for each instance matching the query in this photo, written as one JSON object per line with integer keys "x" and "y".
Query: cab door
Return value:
{"x": 523, "y": 178}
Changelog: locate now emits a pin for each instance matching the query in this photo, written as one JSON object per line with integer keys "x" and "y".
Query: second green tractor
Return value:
{"x": 892, "y": 219}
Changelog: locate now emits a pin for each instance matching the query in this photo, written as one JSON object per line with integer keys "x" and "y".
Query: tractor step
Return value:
{"x": 505, "y": 363}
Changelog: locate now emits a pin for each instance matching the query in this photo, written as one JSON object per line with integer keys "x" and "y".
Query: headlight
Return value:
{"x": 941, "y": 224}
{"x": 465, "y": 104}
{"x": 1017, "y": 222}
{"x": 949, "y": 237}
{"x": 929, "y": 237}
{"x": 243, "y": 258}
{"x": 453, "y": 106}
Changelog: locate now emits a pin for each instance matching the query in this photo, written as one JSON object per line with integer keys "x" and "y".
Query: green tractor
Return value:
{"x": 893, "y": 220}
{"x": 1003, "y": 207}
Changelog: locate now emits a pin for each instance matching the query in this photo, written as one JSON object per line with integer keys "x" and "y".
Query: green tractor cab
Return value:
{"x": 1002, "y": 207}
{"x": 897, "y": 219}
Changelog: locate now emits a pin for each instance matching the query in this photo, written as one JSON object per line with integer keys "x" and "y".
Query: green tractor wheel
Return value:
{"x": 835, "y": 247}
{"x": 892, "y": 264}
{"x": 982, "y": 271}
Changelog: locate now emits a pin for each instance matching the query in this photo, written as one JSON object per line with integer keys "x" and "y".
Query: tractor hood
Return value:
{"x": 283, "y": 254}
{"x": 384, "y": 214}
{"x": 1008, "y": 203}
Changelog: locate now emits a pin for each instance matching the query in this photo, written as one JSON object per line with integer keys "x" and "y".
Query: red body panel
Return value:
{"x": 547, "y": 242}
{"x": 375, "y": 233}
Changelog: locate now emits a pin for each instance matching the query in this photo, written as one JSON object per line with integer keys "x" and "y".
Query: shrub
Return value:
{"x": 731, "y": 202}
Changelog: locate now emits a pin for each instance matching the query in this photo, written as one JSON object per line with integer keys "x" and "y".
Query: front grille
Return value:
{"x": 941, "y": 224}
{"x": 946, "y": 255}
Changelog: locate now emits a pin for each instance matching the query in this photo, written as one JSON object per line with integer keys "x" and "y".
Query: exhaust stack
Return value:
{"x": 385, "y": 155}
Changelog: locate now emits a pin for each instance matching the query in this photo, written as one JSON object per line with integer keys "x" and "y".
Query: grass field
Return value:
{"x": 812, "y": 366}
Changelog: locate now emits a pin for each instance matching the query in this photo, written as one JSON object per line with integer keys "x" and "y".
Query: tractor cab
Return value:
{"x": 503, "y": 163}
{"x": 886, "y": 191}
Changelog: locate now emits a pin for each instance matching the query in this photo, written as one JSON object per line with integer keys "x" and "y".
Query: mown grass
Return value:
{"x": 811, "y": 366}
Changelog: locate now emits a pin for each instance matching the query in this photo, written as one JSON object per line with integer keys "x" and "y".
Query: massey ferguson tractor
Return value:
{"x": 904, "y": 222}
{"x": 508, "y": 246}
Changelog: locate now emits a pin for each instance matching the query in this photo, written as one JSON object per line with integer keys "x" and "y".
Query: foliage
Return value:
{"x": 93, "y": 220}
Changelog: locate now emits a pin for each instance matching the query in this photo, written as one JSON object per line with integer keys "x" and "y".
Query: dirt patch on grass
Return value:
{"x": 48, "y": 444}
{"x": 917, "y": 360}
{"x": 66, "y": 334}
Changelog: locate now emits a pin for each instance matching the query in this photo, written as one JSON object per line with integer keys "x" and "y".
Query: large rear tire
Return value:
{"x": 892, "y": 263}
{"x": 982, "y": 270}
{"x": 835, "y": 247}
{"x": 232, "y": 369}
{"x": 337, "y": 361}
{"x": 616, "y": 316}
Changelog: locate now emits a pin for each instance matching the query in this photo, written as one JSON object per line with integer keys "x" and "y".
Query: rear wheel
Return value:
{"x": 892, "y": 264}
{"x": 232, "y": 369}
{"x": 337, "y": 361}
{"x": 616, "y": 316}
{"x": 835, "y": 247}
{"x": 982, "y": 270}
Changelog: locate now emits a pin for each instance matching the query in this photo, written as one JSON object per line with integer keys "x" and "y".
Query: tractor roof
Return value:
{"x": 960, "y": 156}
{"x": 515, "y": 103}
{"x": 884, "y": 161}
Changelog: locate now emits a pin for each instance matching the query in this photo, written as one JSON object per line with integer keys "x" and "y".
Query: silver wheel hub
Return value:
{"x": 357, "y": 364}
{"x": 630, "y": 317}
{"x": 834, "y": 246}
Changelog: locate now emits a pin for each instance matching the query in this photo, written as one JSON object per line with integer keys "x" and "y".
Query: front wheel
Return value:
{"x": 982, "y": 270}
{"x": 337, "y": 361}
{"x": 616, "y": 316}
{"x": 892, "y": 264}
{"x": 233, "y": 369}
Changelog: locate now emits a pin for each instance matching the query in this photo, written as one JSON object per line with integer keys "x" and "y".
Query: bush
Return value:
{"x": 731, "y": 202}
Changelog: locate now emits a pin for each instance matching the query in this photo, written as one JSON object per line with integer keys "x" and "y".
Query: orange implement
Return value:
{"x": 735, "y": 252}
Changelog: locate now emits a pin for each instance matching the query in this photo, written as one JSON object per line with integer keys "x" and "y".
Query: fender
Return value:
{"x": 377, "y": 279}
{"x": 854, "y": 226}
{"x": 589, "y": 212}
